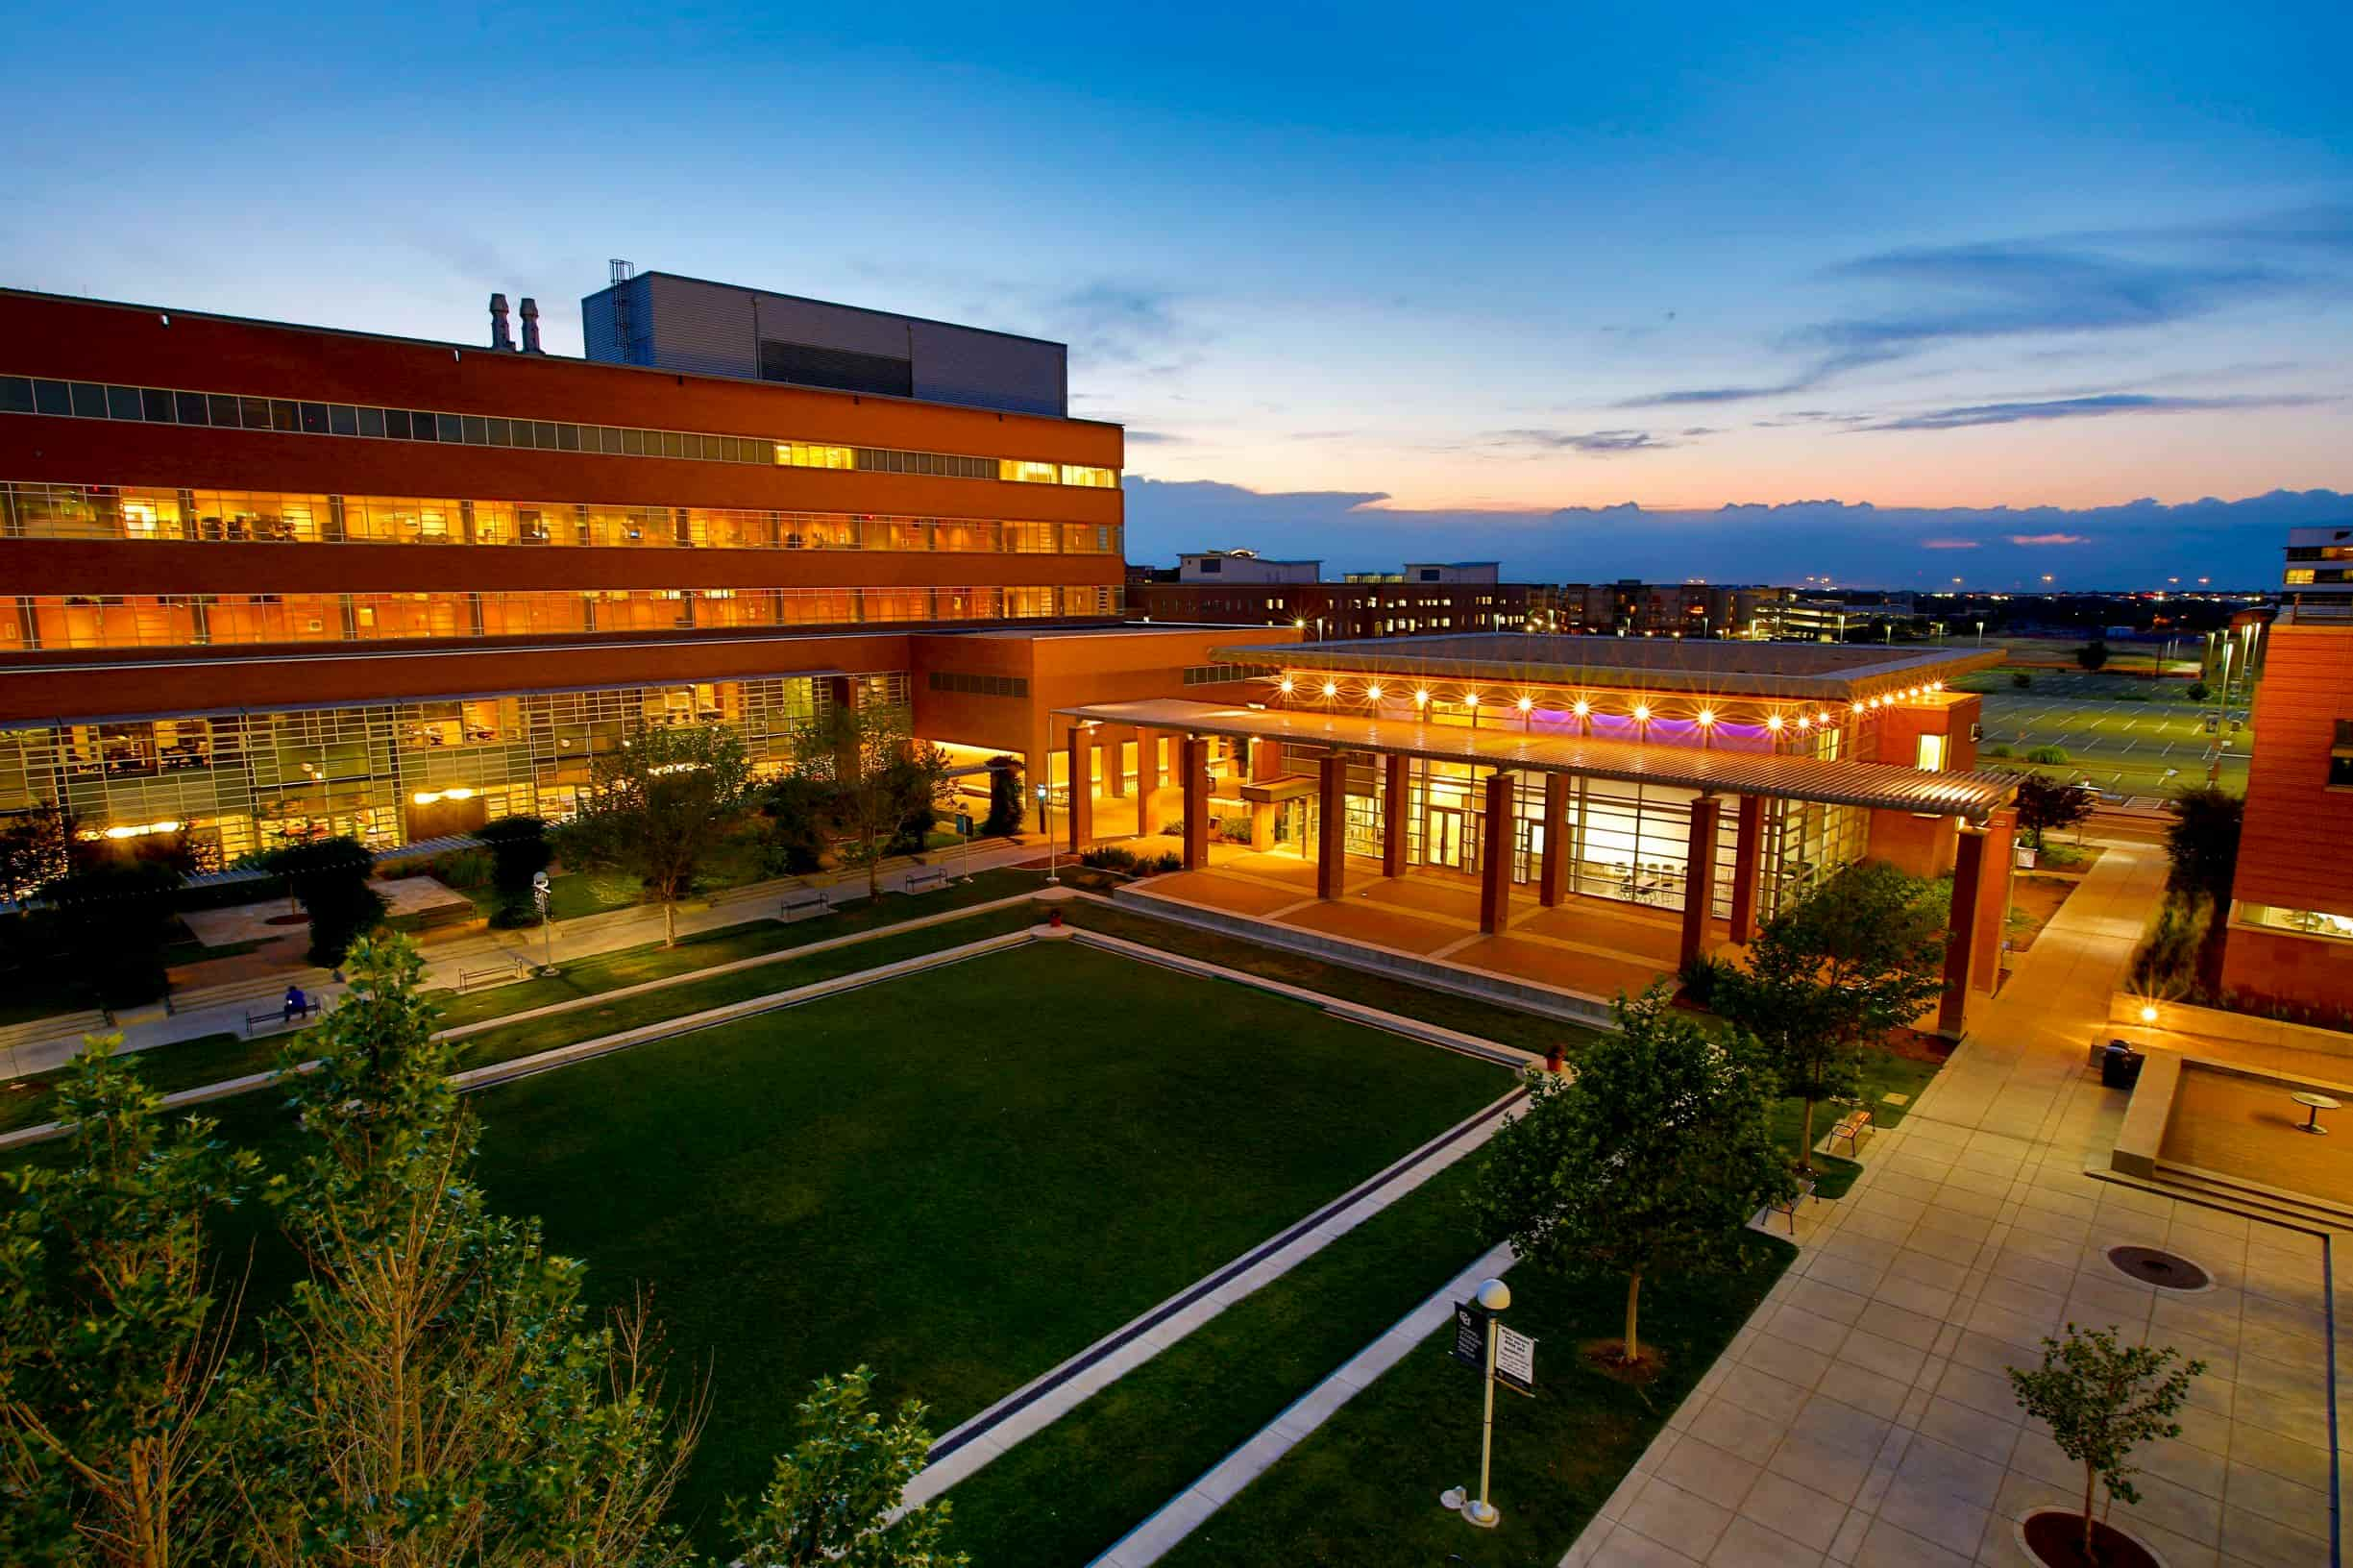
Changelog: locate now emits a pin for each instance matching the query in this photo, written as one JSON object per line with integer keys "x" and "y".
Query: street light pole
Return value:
{"x": 1494, "y": 1295}
{"x": 1045, "y": 820}
{"x": 541, "y": 892}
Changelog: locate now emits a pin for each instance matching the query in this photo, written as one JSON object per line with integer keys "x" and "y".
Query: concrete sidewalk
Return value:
{"x": 1863, "y": 1417}
{"x": 588, "y": 936}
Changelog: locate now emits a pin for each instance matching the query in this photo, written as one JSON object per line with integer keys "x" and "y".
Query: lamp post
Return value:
{"x": 1045, "y": 820}
{"x": 1494, "y": 1295}
{"x": 541, "y": 892}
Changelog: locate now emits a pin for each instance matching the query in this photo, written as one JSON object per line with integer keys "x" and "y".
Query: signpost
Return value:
{"x": 1500, "y": 1356}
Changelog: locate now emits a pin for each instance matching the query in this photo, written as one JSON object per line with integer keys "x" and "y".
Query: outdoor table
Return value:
{"x": 2314, "y": 1104}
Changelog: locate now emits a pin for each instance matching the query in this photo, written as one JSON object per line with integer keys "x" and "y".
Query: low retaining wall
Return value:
{"x": 1485, "y": 985}
{"x": 2126, "y": 1014}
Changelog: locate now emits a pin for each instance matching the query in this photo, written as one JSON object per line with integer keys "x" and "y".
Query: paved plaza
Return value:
{"x": 1862, "y": 1418}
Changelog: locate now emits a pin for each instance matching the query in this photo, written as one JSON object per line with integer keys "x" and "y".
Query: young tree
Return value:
{"x": 2044, "y": 803}
{"x": 1650, "y": 1159}
{"x": 518, "y": 851}
{"x": 876, "y": 780}
{"x": 2093, "y": 655}
{"x": 1861, "y": 955}
{"x": 330, "y": 878}
{"x": 115, "y": 1432}
{"x": 109, "y": 922}
{"x": 2202, "y": 841}
{"x": 2101, "y": 1401}
{"x": 655, "y": 806}
{"x": 36, "y": 847}
{"x": 1005, "y": 804}
{"x": 436, "y": 1397}
{"x": 835, "y": 1498}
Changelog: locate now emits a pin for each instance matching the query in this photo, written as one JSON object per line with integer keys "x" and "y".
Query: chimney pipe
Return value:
{"x": 530, "y": 326}
{"x": 499, "y": 338}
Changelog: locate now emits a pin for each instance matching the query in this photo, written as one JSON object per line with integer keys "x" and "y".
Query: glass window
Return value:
{"x": 285, "y": 416}
{"x": 255, "y": 411}
{"x": 155, "y": 407}
{"x": 633, "y": 443}
{"x": 674, "y": 445}
{"x": 543, "y": 435}
{"x": 474, "y": 429}
{"x": 225, "y": 412}
{"x": 396, "y": 424}
{"x": 449, "y": 427}
{"x": 372, "y": 421}
{"x": 566, "y": 438}
{"x": 342, "y": 419}
{"x": 90, "y": 400}
{"x": 608, "y": 436}
{"x": 193, "y": 409}
{"x": 314, "y": 418}
{"x": 52, "y": 398}
{"x": 15, "y": 394}
{"x": 499, "y": 434}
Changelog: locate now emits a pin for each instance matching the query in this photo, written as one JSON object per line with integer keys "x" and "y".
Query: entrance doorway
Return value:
{"x": 1445, "y": 838}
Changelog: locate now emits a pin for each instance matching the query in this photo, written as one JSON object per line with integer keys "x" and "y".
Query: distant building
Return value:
{"x": 1243, "y": 589}
{"x": 1633, "y": 608}
{"x": 662, "y": 319}
{"x": 2319, "y": 566}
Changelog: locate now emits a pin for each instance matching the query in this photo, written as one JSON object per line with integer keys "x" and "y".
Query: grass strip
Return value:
{"x": 189, "y": 1063}
{"x": 1149, "y": 1435}
{"x": 1363, "y": 1488}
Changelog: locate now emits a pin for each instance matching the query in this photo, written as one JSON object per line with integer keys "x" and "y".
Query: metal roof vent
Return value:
{"x": 500, "y": 338}
{"x": 530, "y": 326}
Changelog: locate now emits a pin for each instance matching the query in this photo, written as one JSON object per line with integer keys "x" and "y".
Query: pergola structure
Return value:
{"x": 1978, "y": 801}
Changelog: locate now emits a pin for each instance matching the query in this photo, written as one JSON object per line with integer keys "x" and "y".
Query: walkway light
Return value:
{"x": 1332, "y": 688}
{"x": 1470, "y": 700}
{"x": 1642, "y": 712}
{"x": 1583, "y": 707}
{"x": 1775, "y": 722}
{"x": 1527, "y": 702}
{"x": 1372, "y": 693}
{"x": 2148, "y": 1013}
{"x": 1285, "y": 687}
{"x": 1707, "y": 717}
{"x": 1421, "y": 699}
{"x": 1804, "y": 722}
{"x": 1823, "y": 717}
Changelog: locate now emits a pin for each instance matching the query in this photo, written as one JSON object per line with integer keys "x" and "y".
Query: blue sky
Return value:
{"x": 1362, "y": 282}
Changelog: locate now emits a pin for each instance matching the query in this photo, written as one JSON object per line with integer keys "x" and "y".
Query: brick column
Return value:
{"x": 1194, "y": 772}
{"x": 1082, "y": 787}
{"x": 1331, "y": 829}
{"x": 1552, "y": 881}
{"x": 1395, "y": 812}
{"x": 1994, "y": 888}
{"x": 1495, "y": 836}
{"x": 1114, "y": 765}
{"x": 1150, "y": 812}
{"x": 1969, "y": 877}
{"x": 1699, "y": 878}
{"x": 1745, "y": 854}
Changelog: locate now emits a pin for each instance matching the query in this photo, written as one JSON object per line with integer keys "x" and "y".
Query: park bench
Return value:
{"x": 1850, "y": 1127}
{"x": 925, "y": 879}
{"x": 276, "y": 1015}
{"x": 513, "y": 969}
{"x": 804, "y": 901}
{"x": 1789, "y": 1211}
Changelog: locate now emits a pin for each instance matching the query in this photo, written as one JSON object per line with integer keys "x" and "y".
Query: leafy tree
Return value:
{"x": 111, "y": 923}
{"x": 328, "y": 878}
{"x": 797, "y": 808}
{"x": 2093, "y": 655}
{"x": 2198, "y": 691}
{"x": 835, "y": 1498}
{"x": 654, "y": 808}
{"x": 876, "y": 780}
{"x": 2102, "y": 1400}
{"x": 1861, "y": 955}
{"x": 518, "y": 851}
{"x": 117, "y": 1393}
{"x": 2020, "y": 679}
{"x": 1005, "y": 804}
{"x": 2202, "y": 841}
{"x": 1650, "y": 1159}
{"x": 35, "y": 847}
{"x": 2044, "y": 803}
{"x": 437, "y": 1397}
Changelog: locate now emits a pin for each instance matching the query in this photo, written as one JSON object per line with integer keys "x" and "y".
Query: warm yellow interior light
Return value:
{"x": 1285, "y": 687}
{"x": 1421, "y": 697}
{"x": 1642, "y": 712}
{"x": 1583, "y": 707}
{"x": 1707, "y": 716}
{"x": 1332, "y": 688}
{"x": 2149, "y": 1014}
{"x": 1773, "y": 723}
{"x": 1527, "y": 702}
{"x": 1372, "y": 693}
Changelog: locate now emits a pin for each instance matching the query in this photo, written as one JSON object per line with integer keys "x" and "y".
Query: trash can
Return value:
{"x": 2120, "y": 1066}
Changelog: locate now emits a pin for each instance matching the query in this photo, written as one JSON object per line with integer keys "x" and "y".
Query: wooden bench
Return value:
{"x": 804, "y": 901}
{"x": 1850, "y": 1127}
{"x": 278, "y": 1015}
{"x": 514, "y": 968}
{"x": 925, "y": 879}
{"x": 1789, "y": 1211}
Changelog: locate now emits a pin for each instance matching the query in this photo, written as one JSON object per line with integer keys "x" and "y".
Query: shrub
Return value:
{"x": 2198, "y": 691}
{"x": 2047, "y": 753}
{"x": 2092, "y": 655}
{"x": 464, "y": 869}
{"x": 1997, "y": 751}
{"x": 519, "y": 851}
{"x": 1112, "y": 857}
{"x": 1702, "y": 979}
{"x": 331, "y": 878}
{"x": 110, "y": 925}
{"x": 2020, "y": 679}
{"x": 2166, "y": 965}
{"x": 1005, "y": 807}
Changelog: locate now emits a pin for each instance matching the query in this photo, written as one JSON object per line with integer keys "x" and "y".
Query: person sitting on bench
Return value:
{"x": 297, "y": 1004}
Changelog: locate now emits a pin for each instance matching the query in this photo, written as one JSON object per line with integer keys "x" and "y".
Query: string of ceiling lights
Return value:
{"x": 1639, "y": 708}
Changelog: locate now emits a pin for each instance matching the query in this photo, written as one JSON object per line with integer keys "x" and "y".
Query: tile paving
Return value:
{"x": 1862, "y": 1416}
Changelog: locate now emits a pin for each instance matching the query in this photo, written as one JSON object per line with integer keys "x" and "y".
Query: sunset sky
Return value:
{"x": 1433, "y": 262}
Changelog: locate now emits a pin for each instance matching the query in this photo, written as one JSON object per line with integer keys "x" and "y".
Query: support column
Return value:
{"x": 1331, "y": 829}
{"x": 1745, "y": 854}
{"x": 1995, "y": 886}
{"x": 1082, "y": 787}
{"x": 1266, "y": 762}
{"x": 1115, "y": 763}
{"x": 1495, "y": 839}
{"x": 1968, "y": 875}
{"x": 1553, "y": 880}
{"x": 1699, "y": 878}
{"x": 1396, "y": 809}
{"x": 1194, "y": 772}
{"x": 1150, "y": 812}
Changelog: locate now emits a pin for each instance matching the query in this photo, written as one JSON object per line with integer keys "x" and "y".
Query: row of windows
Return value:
{"x": 979, "y": 685}
{"x": 233, "y": 412}
{"x": 32, "y": 510}
{"x": 2299, "y": 576}
{"x": 2320, "y": 553}
{"x": 1212, "y": 675}
{"x": 388, "y": 773}
{"x": 2309, "y": 922}
{"x": 72, "y": 621}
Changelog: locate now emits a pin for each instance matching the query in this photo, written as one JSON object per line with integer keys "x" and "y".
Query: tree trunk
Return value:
{"x": 670, "y": 923}
{"x": 1634, "y": 1294}
{"x": 2090, "y": 1477}
{"x": 1805, "y": 1147}
{"x": 873, "y": 868}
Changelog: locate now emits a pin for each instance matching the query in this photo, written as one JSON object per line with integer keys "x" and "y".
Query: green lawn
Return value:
{"x": 1147, "y": 1436}
{"x": 632, "y": 966}
{"x": 1502, "y": 1024}
{"x": 1884, "y": 1072}
{"x": 1363, "y": 1489}
{"x": 189, "y": 1064}
{"x": 959, "y": 1179}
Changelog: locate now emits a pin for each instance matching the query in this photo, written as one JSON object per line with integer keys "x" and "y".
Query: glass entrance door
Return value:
{"x": 1444, "y": 838}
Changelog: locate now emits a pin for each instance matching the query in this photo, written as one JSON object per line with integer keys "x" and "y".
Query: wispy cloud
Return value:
{"x": 1155, "y": 438}
{"x": 2100, "y": 407}
{"x": 2032, "y": 539}
{"x": 1596, "y": 443}
{"x": 1949, "y": 544}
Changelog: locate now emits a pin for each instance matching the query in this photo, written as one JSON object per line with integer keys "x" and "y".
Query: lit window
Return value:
{"x": 1093, "y": 478}
{"x": 1025, "y": 471}
{"x": 804, "y": 455}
